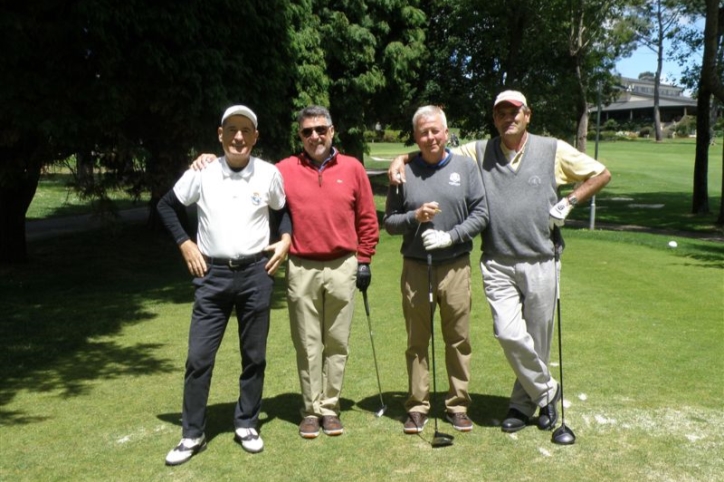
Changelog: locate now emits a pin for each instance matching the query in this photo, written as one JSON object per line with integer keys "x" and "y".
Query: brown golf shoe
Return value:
{"x": 309, "y": 428}
{"x": 460, "y": 421}
{"x": 332, "y": 425}
{"x": 415, "y": 422}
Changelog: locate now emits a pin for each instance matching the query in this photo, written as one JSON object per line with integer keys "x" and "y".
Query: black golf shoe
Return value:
{"x": 515, "y": 420}
{"x": 548, "y": 415}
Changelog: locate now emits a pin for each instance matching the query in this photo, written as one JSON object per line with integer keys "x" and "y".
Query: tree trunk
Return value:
{"x": 163, "y": 169}
{"x": 582, "y": 105}
{"x": 657, "y": 79}
{"x": 15, "y": 199}
{"x": 582, "y": 131}
{"x": 701, "y": 161}
{"x": 84, "y": 163}
{"x": 720, "y": 219}
{"x": 709, "y": 83}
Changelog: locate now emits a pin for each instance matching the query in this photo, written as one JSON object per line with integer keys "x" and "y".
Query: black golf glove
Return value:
{"x": 364, "y": 276}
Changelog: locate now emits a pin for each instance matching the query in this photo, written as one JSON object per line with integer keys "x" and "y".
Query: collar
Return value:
{"x": 332, "y": 154}
{"x": 445, "y": 160}
{"x": 507, "y": 150}
{"x": 229, "y": 173}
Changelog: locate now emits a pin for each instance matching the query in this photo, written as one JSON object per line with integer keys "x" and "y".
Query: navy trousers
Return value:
{"x": 249, "y": 290}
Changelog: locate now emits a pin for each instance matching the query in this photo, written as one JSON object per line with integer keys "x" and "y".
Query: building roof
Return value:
{"x": 649, "y": 104}
{"x": 639, "y": 94}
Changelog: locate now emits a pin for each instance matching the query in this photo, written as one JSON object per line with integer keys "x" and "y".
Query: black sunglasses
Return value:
{"x": 320, "y": 130}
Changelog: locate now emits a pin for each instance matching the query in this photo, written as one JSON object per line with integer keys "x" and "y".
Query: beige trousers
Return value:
{"x": 320, "y": 296}
{"x": 451, "y": 293}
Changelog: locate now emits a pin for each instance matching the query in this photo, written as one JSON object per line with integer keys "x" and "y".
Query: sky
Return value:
{"x": 644, "y": 60}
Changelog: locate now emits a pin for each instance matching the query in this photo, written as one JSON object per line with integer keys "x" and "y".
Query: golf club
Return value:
{"x": 563, "y": 435}
{"x": 383, "y": 407}
{"x": 438, "y": 439}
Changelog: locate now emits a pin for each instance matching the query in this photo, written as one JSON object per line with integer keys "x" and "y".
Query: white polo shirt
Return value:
{"x": 233, "y": 207}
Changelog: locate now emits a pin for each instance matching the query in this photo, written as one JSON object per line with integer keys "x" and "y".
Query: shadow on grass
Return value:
{"x": 220, "y": 416}
{"x": 60, "y": 312}
{"x": 655, "y": 210}
{"x": 485, "y": 410}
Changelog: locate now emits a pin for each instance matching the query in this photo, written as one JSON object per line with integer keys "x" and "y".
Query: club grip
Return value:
{"x": 367, "y": 304}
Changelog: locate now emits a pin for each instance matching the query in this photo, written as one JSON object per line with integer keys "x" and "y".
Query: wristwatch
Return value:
{"x": 572, "y": 200}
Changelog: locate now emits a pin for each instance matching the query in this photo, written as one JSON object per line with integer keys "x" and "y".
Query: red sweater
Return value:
{"x": 333, "y": 212}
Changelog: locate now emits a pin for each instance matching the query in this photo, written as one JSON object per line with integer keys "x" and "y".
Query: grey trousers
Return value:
{"x": 522, "y": 299}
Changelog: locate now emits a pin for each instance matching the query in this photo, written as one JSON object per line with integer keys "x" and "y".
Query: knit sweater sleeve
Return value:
{"x": 477, "y": 218}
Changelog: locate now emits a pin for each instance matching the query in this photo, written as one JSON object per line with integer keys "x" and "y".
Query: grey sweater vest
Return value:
{"x": 519, "y": 201}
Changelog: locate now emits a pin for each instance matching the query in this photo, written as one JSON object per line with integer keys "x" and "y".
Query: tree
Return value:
{"x": 38, "y": 121}
{"x": 710, "y": 83}
{"x": 656, "y": 21}
{"x": 371, "y": 53}
{"x": 131, "y": 81}
{"x": 598, "y": 36}
{"x": 481, "y": 48}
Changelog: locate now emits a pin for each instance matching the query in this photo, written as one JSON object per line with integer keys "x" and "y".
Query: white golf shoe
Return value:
{"x": 187, "y": 448}
{"x": 249, "y": 439}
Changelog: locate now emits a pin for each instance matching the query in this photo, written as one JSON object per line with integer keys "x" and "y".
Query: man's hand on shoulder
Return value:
{"x": 202, "y": 161}
{"x": 396, "y": 171}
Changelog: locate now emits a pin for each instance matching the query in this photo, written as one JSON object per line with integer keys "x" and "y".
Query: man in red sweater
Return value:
{"x": 335, "y": 231}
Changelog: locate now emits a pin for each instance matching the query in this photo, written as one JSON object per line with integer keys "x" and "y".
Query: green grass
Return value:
{"x": 93, "y": 340}
{"x": 652, "y": 185}
{"x": 55, "y": 197}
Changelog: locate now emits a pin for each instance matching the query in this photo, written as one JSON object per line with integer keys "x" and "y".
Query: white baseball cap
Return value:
{"x": 512, "y": 97}
{"x": 239, "y": 110}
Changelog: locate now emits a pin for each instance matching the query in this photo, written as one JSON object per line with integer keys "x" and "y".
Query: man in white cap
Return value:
{"x": 233, "y": 266}
{"x": 331, "y": 206}
{"x": 521, "y": 174}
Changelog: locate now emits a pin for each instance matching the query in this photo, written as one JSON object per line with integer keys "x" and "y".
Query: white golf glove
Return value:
{"x": 559, "y": 213}
{"x": 433, "y": 239}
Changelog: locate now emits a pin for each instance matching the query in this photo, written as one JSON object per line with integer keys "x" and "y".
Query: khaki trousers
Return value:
{"x": 320, "y": 296}
{"x": 451, "y": 293}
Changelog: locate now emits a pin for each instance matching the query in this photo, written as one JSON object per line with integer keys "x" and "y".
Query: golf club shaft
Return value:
{"x": 372, "y": 342}
{"x": 560, "y": 353}
{"x": 560, "y": 336}
{"x": 432, "y": 328}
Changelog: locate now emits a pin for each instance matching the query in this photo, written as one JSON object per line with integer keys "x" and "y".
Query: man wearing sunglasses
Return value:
{"x": 335, "y": 231}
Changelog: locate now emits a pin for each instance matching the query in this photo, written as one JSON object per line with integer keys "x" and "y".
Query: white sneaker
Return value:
{"x": 187, "y": 448}
{"x": 250, "y": 440}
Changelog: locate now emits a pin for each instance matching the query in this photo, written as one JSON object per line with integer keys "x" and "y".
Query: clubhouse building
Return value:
{"x": 636, "y": 102}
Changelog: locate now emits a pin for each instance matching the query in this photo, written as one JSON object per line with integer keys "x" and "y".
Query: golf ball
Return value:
{"x": 672, "y": 244}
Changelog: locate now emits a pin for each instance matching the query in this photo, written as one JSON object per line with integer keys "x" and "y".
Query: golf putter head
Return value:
{"x": 563, "y": 436}
{"x": 441, "y": 440}
{"x": 381, "y": 411}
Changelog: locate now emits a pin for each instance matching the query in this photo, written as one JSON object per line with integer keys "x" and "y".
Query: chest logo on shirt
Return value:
{"x": 256, "y": 199}
{"x": 535, "y": 181}
{"x": 454, "y": 179}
